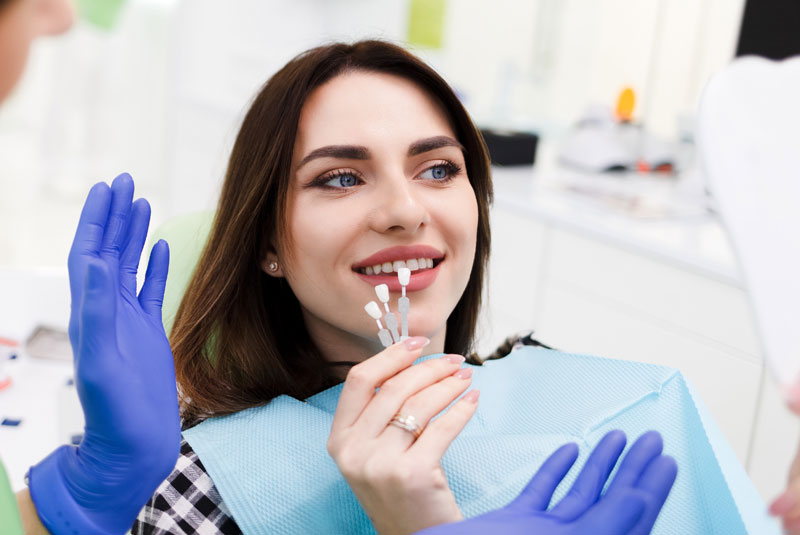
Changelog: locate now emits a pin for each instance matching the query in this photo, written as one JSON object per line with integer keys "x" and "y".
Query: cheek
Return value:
{"x": 16, "y": 34}
{"x": 462, "y": 225}
{"x": 320, "y": 234}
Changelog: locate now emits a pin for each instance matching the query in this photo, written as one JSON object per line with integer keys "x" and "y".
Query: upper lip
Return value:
{"x": 400, "y": 252}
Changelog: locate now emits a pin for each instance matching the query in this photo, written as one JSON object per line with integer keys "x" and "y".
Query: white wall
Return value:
{"x": 162, "y": 95}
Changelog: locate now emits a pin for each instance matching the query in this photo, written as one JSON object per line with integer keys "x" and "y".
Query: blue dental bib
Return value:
{"x": 273, "y": 472}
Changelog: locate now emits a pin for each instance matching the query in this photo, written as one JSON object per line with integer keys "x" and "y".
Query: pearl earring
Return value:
{"x": 273, "y": 267}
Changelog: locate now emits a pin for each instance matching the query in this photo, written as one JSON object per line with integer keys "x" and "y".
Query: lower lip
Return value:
{"x": 419, "y": 279}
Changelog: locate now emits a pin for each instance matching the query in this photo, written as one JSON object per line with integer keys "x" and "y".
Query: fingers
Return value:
{"x": 88, "y": 238}
{"x": 426, "y": 404}
{"x": 97, "y": 313}
{"x": 587, "y": 487}
{"x": 137, "y": 232}
{"x": 395, "y": 391}
{"x": 791, "y": 526}
{"x": 436, "y": 438}
{"x": 646, "y": 448}
{"x": 656, "y": 482}
{"x": 116, "y": 227}
{"x": 151, "y": 298}
{"x": 362, "y": 380}
{"x": 89, "y": 234}
{"x": 537, "y": 494}
{"x": 617, "y": 514}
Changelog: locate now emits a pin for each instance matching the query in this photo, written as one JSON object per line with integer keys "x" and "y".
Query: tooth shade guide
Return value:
{"x": 382, "y": 291}
{"x": 374, "y": 311}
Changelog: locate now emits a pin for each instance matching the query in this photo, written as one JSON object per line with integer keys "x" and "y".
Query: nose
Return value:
{"x": 398, "y": 208}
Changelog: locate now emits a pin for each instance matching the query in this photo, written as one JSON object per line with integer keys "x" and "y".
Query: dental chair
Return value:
{"x": 186, "y": 236}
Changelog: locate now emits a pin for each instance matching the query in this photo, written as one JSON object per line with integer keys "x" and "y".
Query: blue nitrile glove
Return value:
{"x": 124, "y": 372}
{"x": 629, "y": 506}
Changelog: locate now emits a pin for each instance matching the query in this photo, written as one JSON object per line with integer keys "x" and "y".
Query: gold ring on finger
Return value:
{"x": 407, "y": 423}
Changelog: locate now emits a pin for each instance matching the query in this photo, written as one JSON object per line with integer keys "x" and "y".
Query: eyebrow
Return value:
{"x": 358, "y": 152}
{"x": 349, "y": 152}
{"x": 432, "y": 143}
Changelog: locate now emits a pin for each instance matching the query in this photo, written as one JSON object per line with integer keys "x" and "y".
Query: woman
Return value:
{"x": 353, "y": 161}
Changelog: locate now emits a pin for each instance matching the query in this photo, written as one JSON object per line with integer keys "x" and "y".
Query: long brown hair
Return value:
{"x": 239, "y": 339}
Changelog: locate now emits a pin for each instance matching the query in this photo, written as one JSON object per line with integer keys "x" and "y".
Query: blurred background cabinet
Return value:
{"x": 592, "y": 281}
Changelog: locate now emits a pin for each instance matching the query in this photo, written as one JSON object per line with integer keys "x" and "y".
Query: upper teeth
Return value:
{"x": 413, "y": 264}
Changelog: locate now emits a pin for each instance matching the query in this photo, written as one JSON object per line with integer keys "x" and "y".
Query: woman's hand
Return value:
{"x": 124, "y": 374}
{"x": 396, "y": 477}
{"x": 787, "y": 505}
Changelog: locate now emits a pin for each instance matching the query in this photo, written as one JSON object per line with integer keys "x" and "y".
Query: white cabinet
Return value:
{"x": 588, "y": 290}
{"x": 617, "y": 305}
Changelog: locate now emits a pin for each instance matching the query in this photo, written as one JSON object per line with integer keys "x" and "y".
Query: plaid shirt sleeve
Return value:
{"x": 187, "y": 502}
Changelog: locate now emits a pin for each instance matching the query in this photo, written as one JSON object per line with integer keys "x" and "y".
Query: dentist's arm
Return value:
{"x": 124, "y": 375}
{"x": 31, "y": 525}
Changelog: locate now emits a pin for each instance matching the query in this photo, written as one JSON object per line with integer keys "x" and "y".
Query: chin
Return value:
{"x": 425, "y": 327}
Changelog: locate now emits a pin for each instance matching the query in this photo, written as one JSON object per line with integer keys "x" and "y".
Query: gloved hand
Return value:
{"x": 124, "y": 373}
{"x": 629, "y": 506}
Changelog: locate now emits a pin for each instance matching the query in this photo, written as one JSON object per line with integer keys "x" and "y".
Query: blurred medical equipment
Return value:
{"x": 8, "y": 349}
{"x": 509, "y": 148}
{"x": 606, "y": 141}
{"x": 749, "y": 134}
{"x": 47, "y": 342}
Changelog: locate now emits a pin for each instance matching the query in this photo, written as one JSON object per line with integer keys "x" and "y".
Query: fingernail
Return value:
{"x": 783, "y": 504}
{"x": 472, "y": 396}
{"x": 463, "y": 373}
{"x": 415, "y": 342}
{"x": 454, "y": 359}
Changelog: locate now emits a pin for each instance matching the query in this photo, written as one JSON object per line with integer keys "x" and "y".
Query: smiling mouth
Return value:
{"x": 387, "y": 268}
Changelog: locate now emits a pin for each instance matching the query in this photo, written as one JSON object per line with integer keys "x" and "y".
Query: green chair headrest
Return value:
{"x": 186, "y": 236}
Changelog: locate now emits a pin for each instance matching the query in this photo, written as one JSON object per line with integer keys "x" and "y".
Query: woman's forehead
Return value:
{"x": 368, "y": 108}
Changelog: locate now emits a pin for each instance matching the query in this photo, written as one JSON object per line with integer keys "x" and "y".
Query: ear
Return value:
{"x": 271, "y": 265}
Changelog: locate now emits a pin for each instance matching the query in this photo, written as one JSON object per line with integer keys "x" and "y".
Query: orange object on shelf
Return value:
{"x": 625, "y": 104}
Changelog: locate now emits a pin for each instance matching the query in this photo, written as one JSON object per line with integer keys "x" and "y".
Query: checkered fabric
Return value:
{"x": 187, "y": 502}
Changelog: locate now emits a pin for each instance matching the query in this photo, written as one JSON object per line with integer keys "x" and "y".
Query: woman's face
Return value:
{"x": 20, "y": 22}
{"x": 378, "y": 178}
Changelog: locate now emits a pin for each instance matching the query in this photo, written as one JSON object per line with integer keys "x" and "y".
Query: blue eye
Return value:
{"x": 343, "y": 180}
{"x": 441, "y": 172}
